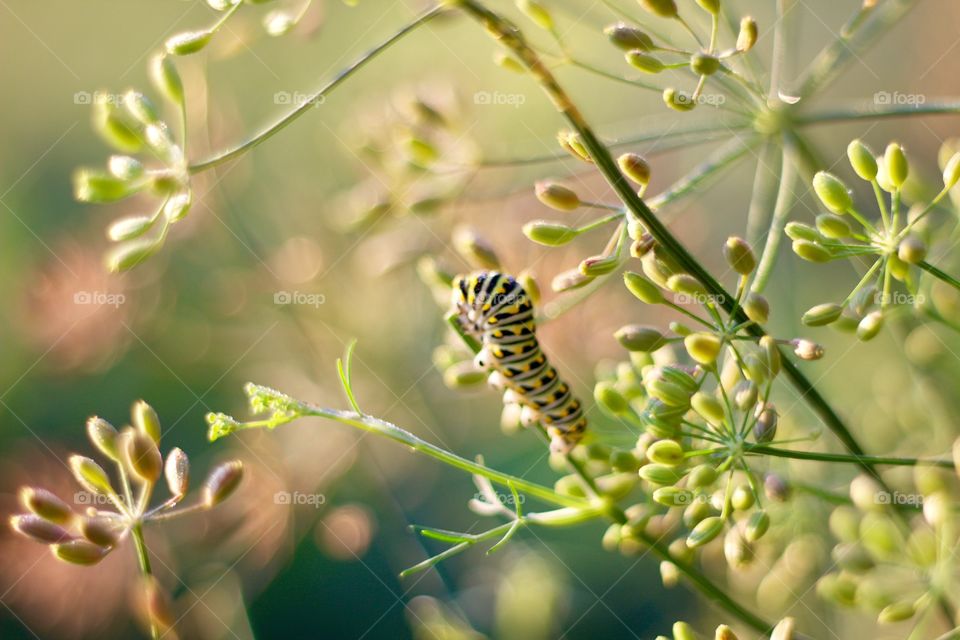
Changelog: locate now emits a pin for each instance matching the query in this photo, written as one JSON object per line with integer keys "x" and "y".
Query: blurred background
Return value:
{"x": 271, "y": 275}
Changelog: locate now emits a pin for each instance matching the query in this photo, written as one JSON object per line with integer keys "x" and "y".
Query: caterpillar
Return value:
{"x": 495, "y": 309}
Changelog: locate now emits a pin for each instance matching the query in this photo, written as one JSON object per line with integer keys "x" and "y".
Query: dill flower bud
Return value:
{"x": 702, "y": 476}
{"x": 463, "y": 375}
{"x": 705, "y": 531}
{"x": 569, "y": 279}
{"x": 739, "y": 255}
{"x": 628, "y": 38}
{"x": 811, "y": 251}
{"x": 662, "y": 8}
{"x": 800, "y": 231}
{"x": 142, "y": 457}
{"x": 776, "y": 488}
{"x": 765, "y": 428}
{"x": 862, "y": 160}
{"x": 130, "y": 254}
{"x": 737, "y": 552}
{"x": 686, "y": 284}
{"x": 837, "y": 588}
{"x": 594, "y": 266}
{"x": 670, "y": 385}
{"x": 40, "y": 529}
{"x": 176, "y": 471}
{"x": 551, "y": 234}
{"x": 98, "y": 187}
{"x": 638, "y": 337}
{"x": 784, "y": 630}
{"x": 669, "y": 575}
{"x": 188, "y": 42}
{"x": 635, "y": 167}
{"x": 624, "y": 461}
{"x": 742, "y": 498}
{"x": 870, "y": 326}
{"x": 644, "y": 61}
{"x": 912, "y": 250}
{"x": 724, "y": 632}
{"x": 645, "y": 290}
{"x": 747, "y": 37}
{"x": 821, "y": 314}
{"x": 896, "y": 165}
{"x": 45, "y": 504}
{"x": 146, "y": 421}
{"x": 571, "y": 142}
{"x": 508, "y": 62}
{"x": 166, "y": 78}
{"x": 537, "y": 12}
{"x": 806, "y": 349}
{"x": 221, "y": 483}
{"x": 103, "y": 437}
{"x": 757, "y": 525}
{"x": 474, "y": 249}
{"x": 704, "y": 64}
{"x": 125, "y": 168}
{"x": 951, "y": 171}
{"x": 896, "y": 612}
{"x": 101, "y": 530}
{"x": 660, "y": 474}
{"x": 80, "y": 552}
{"x": 90, "y": 475}
{"x": 745, "y": 395}
{"x": 683, "y": 631}
{"x": 668, "y": 452}
{"x": 708, "y": 407}
{"x": 833, "y": 226}
{"x": 710, "y": 6}
{"x": 833, "y": 193}
{"x": 770, "y": 355}
{"x": 642, "y": 245}
{"x": 556, "y": 196}
{"x": 608, "y": 397}
{"x": 678, "y": 100}
{"x": 756, "y": 307}
{"x": 703, "y": 347}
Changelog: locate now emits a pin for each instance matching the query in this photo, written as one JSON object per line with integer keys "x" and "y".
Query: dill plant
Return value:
{"x": 699, "y": 391}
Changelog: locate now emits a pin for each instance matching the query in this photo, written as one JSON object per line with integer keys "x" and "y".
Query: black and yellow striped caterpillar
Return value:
{"x": 494, "y": 309}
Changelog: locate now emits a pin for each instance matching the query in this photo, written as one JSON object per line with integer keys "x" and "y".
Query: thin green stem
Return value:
{"x": 872, "y": 111}
{"x": 781, "y": 210}
{"x": 763, "y": 449}
{"x": 143, "y": 560}
{"x": 940, "y": 275}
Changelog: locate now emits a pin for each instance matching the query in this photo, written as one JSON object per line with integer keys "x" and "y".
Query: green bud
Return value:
{"x": 536, "y": 12}
{"x": 683, "y": 631}
{"x": 811, "y": 251}
{"x": 90, "y": 475}
{"x": 806, "y": 350}
{"x": 607, "y": 396}
{"x": 776, "y": 488}
{"x": 166, "y": 79}
{"x": 556, "y": 196}
{"x": 130, "y": 254}
{"x": 870, "y": 326}
{"x": 141, "y": 456}
{"x": 616, "y": 485}
{"x": 922, "y": 544}
{"x": 662, "y": 420}
{"x": 625, "y": 461}
{"x": 697, "y": 512}
{"x": 866, "y": 494}
{"x": 46, "y": 505}
{"x": 837, "y": 588}
{"x": 642, "y": 288}
{"x": 140, "y": 107}
{"x": 628, "y": 38}
{"x": 668, "y": 452}
{"x": 117, "y": 128}
{"x": 862, "y": 160}
{"x": 678, "y": 100}
{"x": 686, "y": 284}
{"x": 704, "y": 64}
{"x": 464, "y": 375}
{"x": 800, "y": 231}
{"x": 96, "y": 186}
{"x": 833, "y": 226}
{"x": 635, "y": 167}
{"x": 912, "y": 250}
{"x": 474, "y": 249}
{"x": 833, "y": 193}
{"x": 221, "y": 483}
{"x": 569, "y": 280}
{"x": 551, "y": 234}
{"x": 611, "y": 537}
{"x": 852, "y": 557}
{"x": 103, "y": 436}
{"x": 101, "y": 530}
{"x": 145, "y": 419}
{"x": 745, "y": 395}
{"x": 821, "y": 315}
{"x": 881, "y": 536}
{"x": 724, "y": 632}
{"x": 572, "y": 143}
{"x": 742, "y": 498}
{"x": 39, "y": 529}
{"x": 176, "y": 471}
{"x": 702, "y": 476}
{"x": 508, "y": 62}
{"x": 530, "y": 285}
{"x": 705, "y": 531}
{"x": 594, "y": 266}
{"x": 708, "y": 407}
{"x": 643, "y": 61}
{"x": 845, "y": 524}
{"x": 883, "y": 177}
{"x": 669, "y": 575}
{"x": 757, "y": 526}
{"x": 770, "y": 355}
{"x": 896, "y": 612}
{"x": 703, "y": 347}
{"x": 710, "y": 6}
{"x": 747, "y": 37}
{"x": 896, "y": 165}
{"x": 670, "y": 385}
{"x": 80, "y": 552}
{"x": 951, "y": 172}
{"x": 739, "y": 255}
{"x": 660, "y": 474}
{"x": 672, "y": 497}
{"x": 570, "y": 485}
{"x": 737, "y": 550}
{"x": 765, "y": 429}
{"x": 188, "y": 42}
{"x": 662, "y": 8}
{"x": 756, "y": 307}
{"x": 637, "y": 337}
{"x": 937, "y": 509}
{"x": 125, "y": 168}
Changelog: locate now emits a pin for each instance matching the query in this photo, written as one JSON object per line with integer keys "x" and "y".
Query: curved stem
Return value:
{"x": 309, "y": 103}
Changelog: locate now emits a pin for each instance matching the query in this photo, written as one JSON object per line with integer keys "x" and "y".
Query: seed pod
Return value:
{"x": 742, "y": 498}
{"x": 821, "y": 315}
{"x": 736, "y": 549}
{"x": 806, "y": 350}
{"x": 125, "y": 168}
{"x": 100, "y": 530}
{"x": 922, "y": 545}
{"x": 672, "y": 497}
{"x": 912, "y": 250}
{"x": 866, "y": 493}
{"x": 130, "y": 254}
{"x": 642, "y": 246}
{"x": 683, "y": 631}
{"x": 833, "y": 226}
{"x": 852, "y": 557}
{"x": 142, "y": 457}
{"x": 710, "y": 6}
{"x": 90, "y": 475}
{"x": 705, "y": 531}
{"x": 662, "y": 8}
{"x": 46, "y": 505}
{"x": 756, "y": 307}
{"x": 39, "y": 529}
{"x": 668, "y": 452}
{"x": 624, "y": 461}
{"x": 635, "y": 167}
{"x": 645, "y": 290}
{"x": 628, "y": 38}
{"x": 537, "y": 13}
{"x": 765, "y": 428}
{"x": 686, "y": 284}
{"x": 870, "y": 326}
{"x": 833, "y": 193}
{"x": 770, "y": 355}
{"x": 464, "y": 375}
{"x": 97, "y": 187}
{"x": 570, "y": 485}
{"x": 551, "y": 234}
{"x": 221, "y": 483}
{"x": 724, "y": 632}
{"x": 611, "y": 537}
{"x": 837, "y": 588}
{"x": 703, "y": 347}
{"x": 183, "y": 44}
{"x": 660, "y": 474}
{"x": 776, "y": 488}
{"x": 704, "y": 64}
{"x": 474, "y": 249}
{"x": 862, "y": 160}
{"x": 166, "y": 79}
{"x": 607, "y": 396}
{"x": 670, "y": 385}
{"x": 951, "y": 171}
{"x": 643, "y": 61}
{"x": 701, "y": 476}
{"x": 594, "y": 266}
{"x": 669, "y": 575}
{"x": 708, "y": 407}
{"x": 800, "y": 231}
{"x": 637, "y": 337}
{"x": 845, "y": 524}
{"x": 881, "y": 536}
{"x": 897, "y": 612}
{"x": 757, "y": 526}
{"x": 176, "y": 471}
{"x": 739, "y": 255}
{"x": 745, "y": 395}
{"x": 895, "y": 162}
{"x": 79, "y": 552}
{"x": 747, "y": 37}
{"x": 616, "y": 485}
{"x": 556, "y": 196}
{"x": 784, "y": 630}
{"x": 145, "y": 420}
{"x": 698, "y": 511}
{"x": 572, "y": 143}
{"x": 678, "y": 100}
{"x": 129, "y": 227}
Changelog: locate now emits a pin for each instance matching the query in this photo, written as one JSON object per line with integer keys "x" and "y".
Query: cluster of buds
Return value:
{"x": 895, "y": 242}
{"x": 642, "y": 52}
{"x": 784, "y": 630}
{"x": 874, "y": 549}
{"x": 85, "y": 538}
